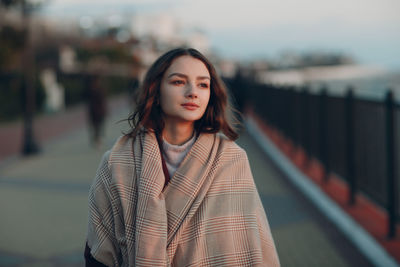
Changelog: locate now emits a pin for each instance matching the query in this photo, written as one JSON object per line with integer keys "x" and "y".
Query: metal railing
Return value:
{"x": 357, "y": 139}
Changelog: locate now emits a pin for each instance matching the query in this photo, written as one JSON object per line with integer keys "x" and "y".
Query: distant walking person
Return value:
{"x": 177, "y": 190}
{"x": 97, "y": 108}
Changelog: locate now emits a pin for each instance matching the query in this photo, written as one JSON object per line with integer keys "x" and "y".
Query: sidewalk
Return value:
{"x": 43, "y": 198}
{"x": 11, "y": 133}
{"x": 43, "y": 202}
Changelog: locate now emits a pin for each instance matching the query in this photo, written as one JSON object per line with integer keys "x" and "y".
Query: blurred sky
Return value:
{"x": 368, "y": 30}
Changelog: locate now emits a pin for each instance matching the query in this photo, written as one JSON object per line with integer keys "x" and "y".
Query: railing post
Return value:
{"x": 391, "y": 179}
{"x": 289, "y": 113}
{"x": 292, "y": 119}
{"x": 350, "y": 145}
{"x": 305, "y": 126}
{"x": 323, "y": 133}
{"x": 296, "y": 118}
{"x": 270, "y": 96}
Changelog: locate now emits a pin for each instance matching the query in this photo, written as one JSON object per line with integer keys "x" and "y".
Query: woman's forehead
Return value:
{"x": 188, "y": 66}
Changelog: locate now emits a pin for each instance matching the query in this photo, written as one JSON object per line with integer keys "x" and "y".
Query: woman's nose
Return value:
{"x": 191, "y": 91}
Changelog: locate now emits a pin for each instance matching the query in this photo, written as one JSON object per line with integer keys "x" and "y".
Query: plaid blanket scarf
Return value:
{"x": 209, "y": 214}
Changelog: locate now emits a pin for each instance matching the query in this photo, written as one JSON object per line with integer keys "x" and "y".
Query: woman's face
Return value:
{"x": 185, "y": 90}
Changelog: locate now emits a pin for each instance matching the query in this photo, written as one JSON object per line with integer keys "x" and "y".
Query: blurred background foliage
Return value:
{"x": 12, "y": 42}
{"x": 91, "y": 55}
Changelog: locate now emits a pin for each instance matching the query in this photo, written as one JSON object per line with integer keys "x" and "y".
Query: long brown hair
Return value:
{"x": 218, "y": 116}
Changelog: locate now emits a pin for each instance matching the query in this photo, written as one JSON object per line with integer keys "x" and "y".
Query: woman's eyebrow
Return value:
{"x": 185, "y": 76}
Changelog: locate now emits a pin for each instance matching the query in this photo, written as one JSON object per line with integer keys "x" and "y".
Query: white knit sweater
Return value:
{"x": 174, "y": 154}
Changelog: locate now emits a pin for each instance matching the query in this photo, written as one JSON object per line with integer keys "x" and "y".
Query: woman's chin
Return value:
{"x": 184, "y": 118}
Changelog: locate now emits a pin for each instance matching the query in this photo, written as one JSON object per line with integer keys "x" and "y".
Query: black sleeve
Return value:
{"x": 90, "y": 261}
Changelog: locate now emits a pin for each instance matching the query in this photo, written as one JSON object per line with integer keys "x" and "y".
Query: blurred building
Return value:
{"x": 305, "y": 75}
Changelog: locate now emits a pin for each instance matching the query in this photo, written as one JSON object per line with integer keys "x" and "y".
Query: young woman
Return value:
{"x": 176, "y": 190}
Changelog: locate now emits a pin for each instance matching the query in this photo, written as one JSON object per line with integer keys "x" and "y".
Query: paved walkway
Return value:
{"x": 43, "y": 203}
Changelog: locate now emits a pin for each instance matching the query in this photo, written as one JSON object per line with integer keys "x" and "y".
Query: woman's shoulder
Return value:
{"x": 121, "y": 150}
{"x": 121, "y": 142}
{"x": 230, "y": 147}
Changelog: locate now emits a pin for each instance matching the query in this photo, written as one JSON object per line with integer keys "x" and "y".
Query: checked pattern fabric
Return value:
{"x": 209, "y": 214}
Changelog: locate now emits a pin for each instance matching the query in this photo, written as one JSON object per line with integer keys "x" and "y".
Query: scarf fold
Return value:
{"x": 209, "y": 214}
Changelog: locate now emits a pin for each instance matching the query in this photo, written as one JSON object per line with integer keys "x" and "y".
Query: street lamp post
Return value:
{"x": 29, "y": 145}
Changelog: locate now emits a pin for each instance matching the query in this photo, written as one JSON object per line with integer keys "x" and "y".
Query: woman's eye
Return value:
{"x": 178, "y": 82}
{"x": 204, "y": 85}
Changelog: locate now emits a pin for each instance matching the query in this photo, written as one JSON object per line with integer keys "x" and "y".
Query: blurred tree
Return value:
{"x": 32, "y": 5}
{"x": 114, "y": 54}
{"x": 12, "y": 42}
{"x": 8, "y": 3}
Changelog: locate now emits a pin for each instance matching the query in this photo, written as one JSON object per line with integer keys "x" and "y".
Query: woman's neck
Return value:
{"x": 178, "y": 133}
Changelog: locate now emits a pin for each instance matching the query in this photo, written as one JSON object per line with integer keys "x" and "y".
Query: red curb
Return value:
{"x": 368, "y": 214}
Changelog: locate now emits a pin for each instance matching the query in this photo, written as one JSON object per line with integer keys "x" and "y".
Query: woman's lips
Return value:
{"x": 190, "y": 106}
